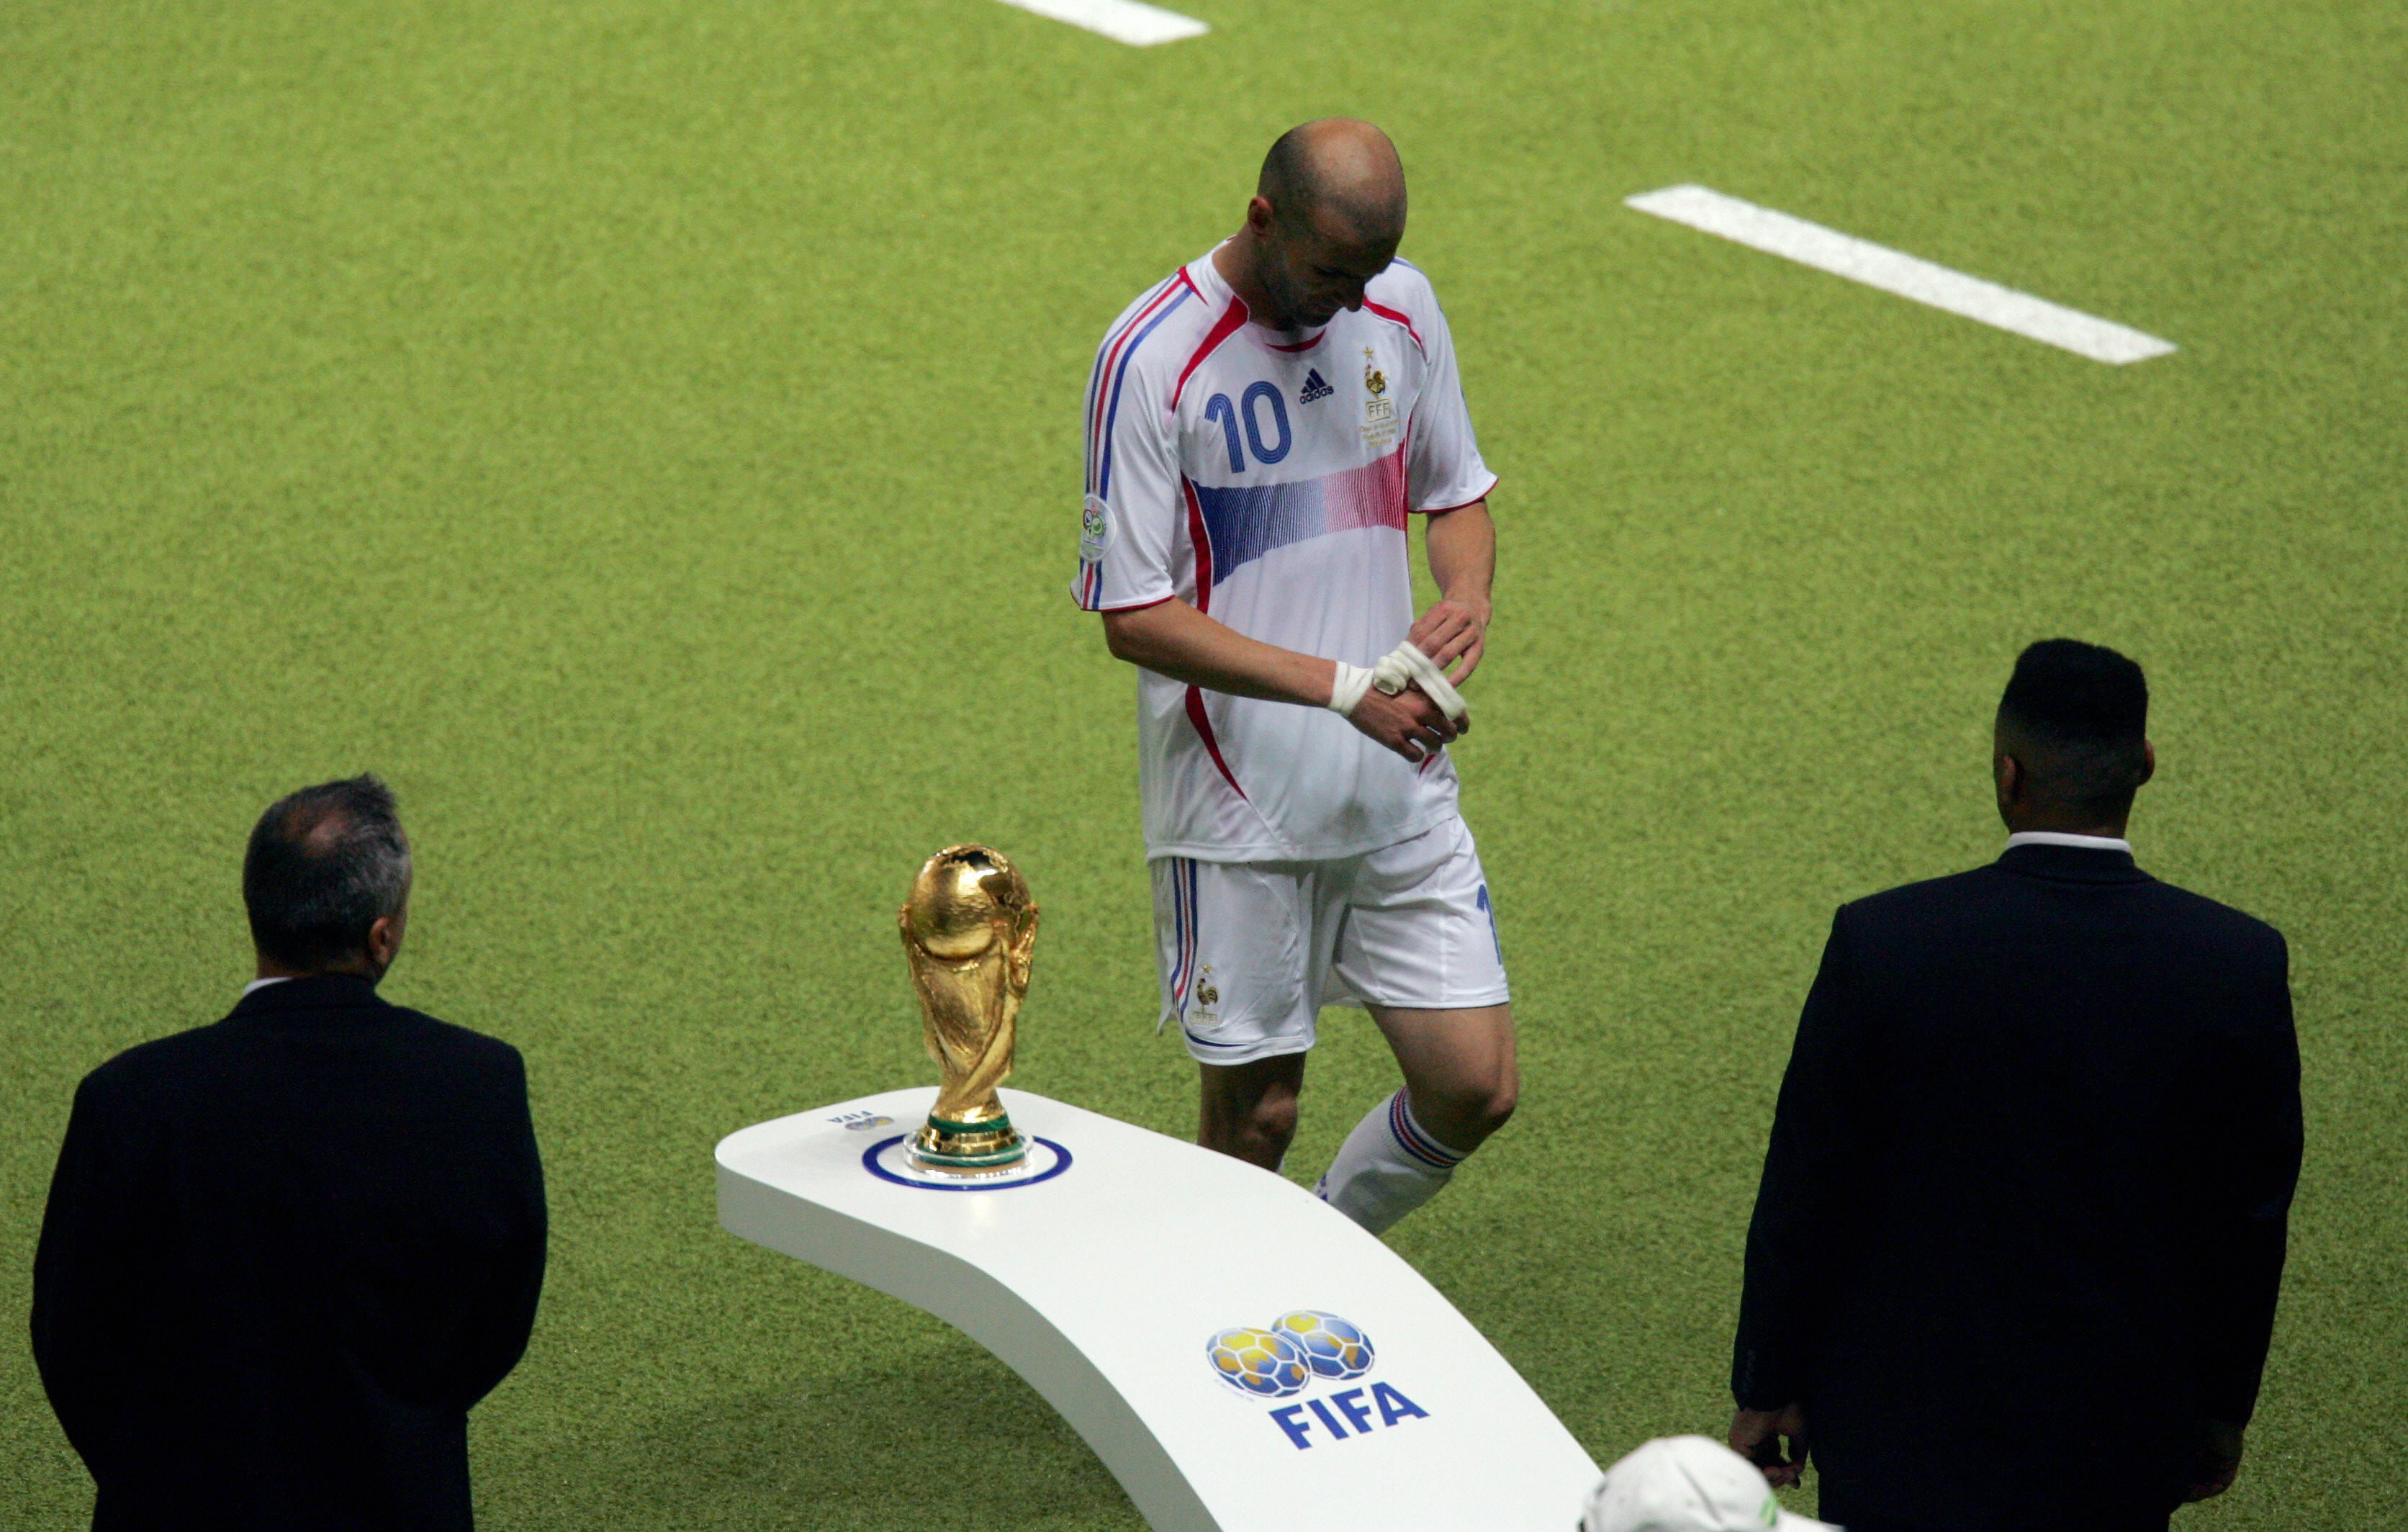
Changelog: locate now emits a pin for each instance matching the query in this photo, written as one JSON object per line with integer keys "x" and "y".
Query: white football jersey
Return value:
{"x": 1267, "y": 483}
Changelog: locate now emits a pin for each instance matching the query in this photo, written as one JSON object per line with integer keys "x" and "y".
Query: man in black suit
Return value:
{"x": 286, "y": 1253}
{"x": 2016, "y": 1254}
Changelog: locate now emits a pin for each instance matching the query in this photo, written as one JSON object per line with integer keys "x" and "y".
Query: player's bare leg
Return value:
{"x": 1248, "y": 1110}
{"x": 1461, "y": 1083}
{"x": 1460, "y": 1067}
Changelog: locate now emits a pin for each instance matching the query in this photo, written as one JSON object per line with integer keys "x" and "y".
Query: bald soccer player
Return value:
{"x": 1259, "y": 427}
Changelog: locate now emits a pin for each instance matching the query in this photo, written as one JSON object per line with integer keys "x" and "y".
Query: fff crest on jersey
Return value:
{"x": 1379, "y": 410}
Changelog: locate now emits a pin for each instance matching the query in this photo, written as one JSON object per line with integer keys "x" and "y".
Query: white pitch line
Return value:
{"x": 1123, "y": 21}
{"x": 1877, "y": 265}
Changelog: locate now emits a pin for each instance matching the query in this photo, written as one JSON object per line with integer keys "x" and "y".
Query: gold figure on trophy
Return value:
{"x": 969, "y": 929}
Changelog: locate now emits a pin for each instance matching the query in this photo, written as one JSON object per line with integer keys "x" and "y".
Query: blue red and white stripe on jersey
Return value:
{"x": 1105, "y": 386}
{"x": 1245, "y": 521}
{"x": 1110, "y": 376}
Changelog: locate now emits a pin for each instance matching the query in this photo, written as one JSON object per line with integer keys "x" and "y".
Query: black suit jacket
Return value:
{"x": 2022, "y": 1220}
{"x": 282, "y": 1256}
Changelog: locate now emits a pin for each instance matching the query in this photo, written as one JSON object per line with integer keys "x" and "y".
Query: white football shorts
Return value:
{"x": 1250, "y": 952}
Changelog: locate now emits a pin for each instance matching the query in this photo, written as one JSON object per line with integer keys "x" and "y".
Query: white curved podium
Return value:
{"x": 1102, "y": 1274}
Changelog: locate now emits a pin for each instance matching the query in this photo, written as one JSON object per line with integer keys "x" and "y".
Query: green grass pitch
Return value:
{"x": 648, "y": 432}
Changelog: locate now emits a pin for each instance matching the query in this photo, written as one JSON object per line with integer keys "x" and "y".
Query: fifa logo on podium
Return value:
{"x": 1297, "y": 1351}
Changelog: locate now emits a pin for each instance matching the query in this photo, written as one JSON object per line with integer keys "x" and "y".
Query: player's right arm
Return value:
{"x": 1172, "y": 639}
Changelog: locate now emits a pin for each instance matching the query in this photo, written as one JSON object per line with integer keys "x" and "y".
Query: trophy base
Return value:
{"x": 969, "y": 1149}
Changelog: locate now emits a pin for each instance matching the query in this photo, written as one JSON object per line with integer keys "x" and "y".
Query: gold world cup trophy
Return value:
{"x": 969, "y": 930}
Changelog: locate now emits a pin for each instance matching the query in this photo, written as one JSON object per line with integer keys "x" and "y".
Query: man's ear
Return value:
{"x": 2008, "y": 773}
{"x": 384, "y": 938}
{"x": 2148, "y": 762}
{"x": 1259, "y": 215}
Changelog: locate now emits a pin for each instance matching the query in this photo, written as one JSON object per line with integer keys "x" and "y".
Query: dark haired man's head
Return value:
{"x": 1326, "y": 218}
{"x": 2072, "y": 740}
{"x": 327, "y": 880}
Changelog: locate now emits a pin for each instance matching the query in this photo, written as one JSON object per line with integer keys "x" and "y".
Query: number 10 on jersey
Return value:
{"x": 1249, "y": 410}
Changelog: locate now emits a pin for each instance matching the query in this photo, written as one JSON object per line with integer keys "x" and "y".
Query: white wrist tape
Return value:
{"x": 1347, "y": 690}
{"x": 1407, "y": 665}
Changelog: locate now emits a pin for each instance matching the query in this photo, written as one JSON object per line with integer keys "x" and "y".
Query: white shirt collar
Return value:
{"x": 2060, "y": 838}
{"x": 263, "y": 983}
{"x": 1204, "y": 272}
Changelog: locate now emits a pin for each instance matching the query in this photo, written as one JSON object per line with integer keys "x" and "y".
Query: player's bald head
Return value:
{"x": 1338, "y": 169}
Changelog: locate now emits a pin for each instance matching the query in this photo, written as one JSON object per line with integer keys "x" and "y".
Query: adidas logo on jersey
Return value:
{"x": 1313, "y": 387}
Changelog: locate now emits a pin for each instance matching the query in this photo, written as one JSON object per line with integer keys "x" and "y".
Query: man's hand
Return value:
{"x": 2219, "y": 1462}
{"x": 1174, "y": 639}
{"x": 1755, "y": 1435}
{"x": 1409, "y": 723}
{"x": 1462, "y": 545}
{"x": 1453, "y": 633}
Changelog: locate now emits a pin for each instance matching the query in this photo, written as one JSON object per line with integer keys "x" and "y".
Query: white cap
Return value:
{"x": 1688, "y": 1485}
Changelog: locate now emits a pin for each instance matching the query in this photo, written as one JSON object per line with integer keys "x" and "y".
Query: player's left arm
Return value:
{"x": 1463, "y": 563}
{"x": 1447, "y": 482}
